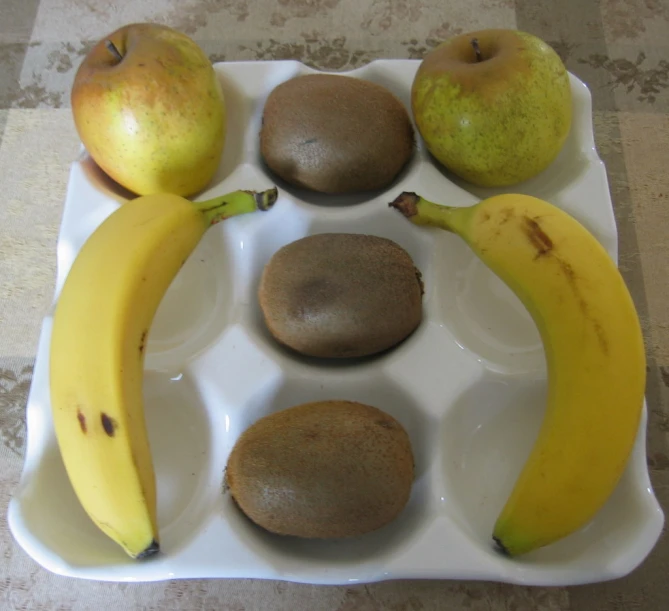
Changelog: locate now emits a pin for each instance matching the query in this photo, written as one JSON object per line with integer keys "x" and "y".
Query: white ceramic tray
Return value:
{"x": 469, "y": 385}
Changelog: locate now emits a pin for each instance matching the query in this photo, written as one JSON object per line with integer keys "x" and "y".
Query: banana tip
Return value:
{"x": 151, "y": 550}
{"x": 407, "y": 203}
{"x": 501, "y": 548}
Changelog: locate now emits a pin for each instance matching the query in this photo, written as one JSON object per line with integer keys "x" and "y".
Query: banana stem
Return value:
{"x": 423, "y": 212}
{"x": 235, "y": 203}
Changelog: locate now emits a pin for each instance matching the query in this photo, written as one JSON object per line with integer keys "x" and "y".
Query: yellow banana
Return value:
{"x": 100, "y": 327}
{"x": 594, "y": 354}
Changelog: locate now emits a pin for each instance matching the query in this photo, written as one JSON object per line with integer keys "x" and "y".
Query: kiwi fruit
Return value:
{"x": 335, "y": 134}
{"x": 341, "y": 295}
{"x": 327, "y": 469}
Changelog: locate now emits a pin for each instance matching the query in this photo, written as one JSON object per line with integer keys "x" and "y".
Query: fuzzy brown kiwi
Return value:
{"x": 341, "y": 295}
{"x": 335, "y": 134}
{"x": 327, "y": 469}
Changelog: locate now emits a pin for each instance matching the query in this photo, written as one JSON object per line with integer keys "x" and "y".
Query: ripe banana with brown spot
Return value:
{"x": 594, "y": 353}
{"x": 100, "y": 327}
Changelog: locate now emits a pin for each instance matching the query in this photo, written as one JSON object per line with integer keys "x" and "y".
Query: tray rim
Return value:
{"x": 55, "y": 564}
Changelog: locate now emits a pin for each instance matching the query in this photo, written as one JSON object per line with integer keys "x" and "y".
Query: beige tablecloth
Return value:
{"x": 619, "y": 48}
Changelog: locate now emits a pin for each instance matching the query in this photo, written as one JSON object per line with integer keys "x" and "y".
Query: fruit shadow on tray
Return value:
{"x": 103, "y": 182}
{"x": 290, "y": 554}
{"x": 238, "y": 118}
{"x": 339, "y": 200}
{"x": 96, "y": 175}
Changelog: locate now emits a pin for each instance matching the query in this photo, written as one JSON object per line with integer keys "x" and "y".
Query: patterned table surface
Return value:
{"x": 618, "y": 47}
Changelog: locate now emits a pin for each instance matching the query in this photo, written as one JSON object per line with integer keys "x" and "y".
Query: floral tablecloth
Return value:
{"x": 618, "y": 47}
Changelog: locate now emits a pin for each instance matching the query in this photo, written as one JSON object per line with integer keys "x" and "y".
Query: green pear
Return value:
{"x": 149, "y": 108}
{"x": 493, "y": 106}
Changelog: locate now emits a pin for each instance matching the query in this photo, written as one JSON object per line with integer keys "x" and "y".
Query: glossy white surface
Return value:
{"x": 469, "y": 385}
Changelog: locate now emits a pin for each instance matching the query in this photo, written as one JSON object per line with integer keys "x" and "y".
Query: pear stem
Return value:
{"x": 477, "y": 49}
{"x": 111, "y": 47}
{"x": 235, "y": 203}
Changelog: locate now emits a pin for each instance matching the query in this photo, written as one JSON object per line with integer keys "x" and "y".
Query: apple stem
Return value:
{"x": 111, "y": 47}
{"x": 477, "y": 49}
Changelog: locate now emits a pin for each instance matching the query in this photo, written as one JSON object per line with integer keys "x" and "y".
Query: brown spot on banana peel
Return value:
{"x": 82, "y": 421}
{"x": 571, "y": 276}
{"x": 601, "y": 337}
{"x": 544, "y": 247}
{"x": 142, "y": 341}
{"x": 507, "y": 214}
{"x": 537, "y": 237}
{"x": 108, "y": 424}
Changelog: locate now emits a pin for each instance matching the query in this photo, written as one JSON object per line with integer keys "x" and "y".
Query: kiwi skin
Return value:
{"x": 341, "y": 295}
{"x": 335, "y": 134}
{"x": 321, "y": 470}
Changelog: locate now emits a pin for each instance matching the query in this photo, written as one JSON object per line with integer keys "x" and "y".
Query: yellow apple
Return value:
{"x": 493, "y": 106}
{"x": 149, "y": 108}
